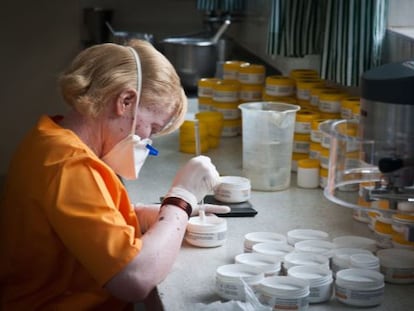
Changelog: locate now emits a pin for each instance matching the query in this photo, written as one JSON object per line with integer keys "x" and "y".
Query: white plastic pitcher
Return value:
{"x": 268, "y": 129}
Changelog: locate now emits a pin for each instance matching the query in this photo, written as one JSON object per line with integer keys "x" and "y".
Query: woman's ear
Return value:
{"x": 126, "y": 101}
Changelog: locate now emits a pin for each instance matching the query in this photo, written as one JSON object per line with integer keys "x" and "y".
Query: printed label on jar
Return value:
{"x": 329, "y": 106}
{"x": 205, "y": 92}
{"x": 302, "y": 127}
{"x": 251, "y": 78}
{"x": 225, "y": 96}
{"x": 301, "y": 146}
{"x": 280, "y": 90}
{"x": 250, "y": 95}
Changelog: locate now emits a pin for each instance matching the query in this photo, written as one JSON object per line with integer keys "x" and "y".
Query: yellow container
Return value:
{"x": 295, "y": 158}
{"x": 315, "y": 92}
{"x": 205, "y": 87}
{"x": 250, "y": 92}
{"x": 231, "y": 69}
{"x": 304, "y": 120}
{"x": 187, "y": 136}
{"x": 315, "y": 150}
{"x": 280, "y": 86}
{"x": 303, "y": 73}
{"x": 213, "y": 120}
{"x": 330, "y": 101}
{"x": 288, "y": 100}
{"x": 226, "y": 91}
{"x": 301, "y": 143}
{"x": 230, "y": 110}
{"x": 347, "y": 105}
{"x": 303, "y": 87}
{"x": 205, "y": 103}
{"x": 316, "y": 134}
{"x": 252, "y": 74}
{"x": 329, "y": 116}
{"x": 231, "y": 128}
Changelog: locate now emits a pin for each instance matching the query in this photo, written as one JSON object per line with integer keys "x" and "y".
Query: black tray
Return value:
{"x": 243, "y": 209}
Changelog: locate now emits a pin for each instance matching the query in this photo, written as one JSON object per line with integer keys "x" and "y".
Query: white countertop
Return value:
{"x": 192, "y": 279}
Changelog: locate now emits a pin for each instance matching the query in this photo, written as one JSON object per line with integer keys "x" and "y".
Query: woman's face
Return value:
{"x": 151, "y": 120}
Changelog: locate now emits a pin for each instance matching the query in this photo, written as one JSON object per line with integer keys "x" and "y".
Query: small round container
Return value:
{"x": 296, "y": 235}
{"x": 231, "y": 128}
{"x": 304, "y": 120}
{"x": 303, "y": 72}
{"x": 397, "y": 265}
{"x": 347, "y": 105}
{"x": 315, "y": 150}
{"x": 308, "y": 173}
{"x": 383, "y": 232}
{"x": 295, "y": 158}
{"x": 252, "y": 74}
{"x": 330, "y": 101}
{"x": 316, "y": 134}
{"x": 341, "y": 258}
{"x": 404, "y": 225}
{"x": 210, "y": 232}
{"x": 301, "y": 143}
{"x": 250, "y": 92}
{"x": 276, "y": 250}
{"x": 354, "y": 241}
{"x": 359, "y": 287}
{"x": 231, "y": 69}
{"x": 280, "y": 86}
{"x": 304, "y": 85}
{"x": 229, "y": 110}
{"x": 205, "y": 87}
{"x": 205, "y": 104}
{"x": 233, "y": 189}
{"x": 314, "y": 95}
{"x": 267, "y": 264}
{"x": 253, "y": 238}
{"x": 284, "y": 293}
{"x": 226, "y": 91}
{"x": 365, "y": 261}
{"x": 228, "y": 280}
{"x": 320, "y": 281}
{"x": 305, "y": 259}
{"x": 322, "y": 247}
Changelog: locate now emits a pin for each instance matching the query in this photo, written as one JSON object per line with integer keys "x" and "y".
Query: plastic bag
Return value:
{"x": 251, "y": 303}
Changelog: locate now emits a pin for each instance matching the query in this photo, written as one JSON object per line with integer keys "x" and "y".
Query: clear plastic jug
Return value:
{"x": 267, "y": 129}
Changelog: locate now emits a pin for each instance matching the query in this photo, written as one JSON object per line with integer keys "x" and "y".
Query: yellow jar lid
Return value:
{"x": 382, "y": 227}
{"x": 207, "y": 82}
{"x": 330, "y": 116}
{"x": 349, "y": 102}
{"x": 325, "y": 152}
{"x": 301, "y": 137}
{"x": 251, "y": 68}
{"x": 404, "y": 218}
{"x": 226, "y": 86}
{"x": 205, "y": 100}
{"x": 305, "y": 115}
{"x": 232, "y": 123}
{"x": 209, "y": 116}
{"x": 315, "y": 146}
{"x": 279, "y": 80}
{"x": 399, "y": 238}
{"x": 187, "y": 129}
{"x": 316, "y": 90}
{"x": 282, "y": 99}
{"x": 364, "y": 203}
{"x": 233, "y": 65}
{"x": 296, "y": 73}
{"x": 323, "y": 172}
{"x": 315, "y": 123}
{"x": 296, "y": 156}
{"x": 308, "y": 83}
{"x": 226, "y": 105}
{"x": 251, "y": 87}
{"x": 348, "y": 129}
{"x": 356, "y": 108}
{"x": 308, "y": 163}
{"x": 332, "y": 95}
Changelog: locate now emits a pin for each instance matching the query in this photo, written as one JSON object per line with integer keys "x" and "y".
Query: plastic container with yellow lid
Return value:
{"x": 304, "y": 120}
{"x": 316, "y": 134}
{"x": 330, "y": 101}
{"x": 295, "y": 158}
{"x": 187, "y": 136}
{"x": 205, "y": 103}
{"x": 347, "y": 105}
{"x": 250, "y": 92}
{"x": 205, "y": 87}
{"x": 232, "y": 128}
{"x": 231, "y": 69}
{"x": 303, "y": 87}
{"x": 404, "y": 225}
{"x": 315, "y": 150}
{"x": 383, "y": 232}
{"x": 301, "y": 143}
{"x": 281, "y": 86}
{"x": 252, "y": 74}
{"x": 308, "y": 173}
{"x": 226, "y": 91}
{"x": 315, "y": 92}
{"x": 303, "y": 73}
{"x": 229, "y": 110}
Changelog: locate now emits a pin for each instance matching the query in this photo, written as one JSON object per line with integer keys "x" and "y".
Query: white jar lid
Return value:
{"x": 284, "y": 287}
{"x": 396, "y": 258}
{"x": 274, "y": 249}
{"x": 315, "y": 246}
{"x": 305, "y": 259}
{"x": 354, "y": 241}
{"x": 211, "y": 223}
{"x": 296, "y": 235}
{"x": 235, "y": 272}
{"x": 267, "y": 264}
{"x": 315, "y": 275}
{"x": 364, "y": 261}
{"x": 257, "y": 237}
{"x": 362, "y": 279}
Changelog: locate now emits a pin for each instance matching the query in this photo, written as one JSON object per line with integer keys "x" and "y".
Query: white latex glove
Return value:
{"x": 211, "y": 208}
{"x": 194, "y": 180}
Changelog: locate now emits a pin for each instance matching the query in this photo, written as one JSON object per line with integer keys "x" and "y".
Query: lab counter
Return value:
{"x": 192, "y": 279}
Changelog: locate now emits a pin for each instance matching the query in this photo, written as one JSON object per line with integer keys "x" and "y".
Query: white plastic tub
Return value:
{"x": 297, "y": 235}
{"x": 210, "y": 232}
{"x": 233, "y": 189}
{"x": 253, "y": 238}
{"x": 397, "y": 265}
{"x": 267, "y": 264}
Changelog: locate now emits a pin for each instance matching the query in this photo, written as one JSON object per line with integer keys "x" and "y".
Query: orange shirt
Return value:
{"x": 67, "y": 225}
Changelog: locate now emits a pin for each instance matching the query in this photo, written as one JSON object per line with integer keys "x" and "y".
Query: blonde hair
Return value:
{"x": 99, "y": 73}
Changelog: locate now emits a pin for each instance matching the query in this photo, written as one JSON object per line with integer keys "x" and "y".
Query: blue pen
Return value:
{"x": 152, "y": 150}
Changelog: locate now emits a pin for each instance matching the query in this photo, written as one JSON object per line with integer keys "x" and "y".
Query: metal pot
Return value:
{"x": 192, "y": 58}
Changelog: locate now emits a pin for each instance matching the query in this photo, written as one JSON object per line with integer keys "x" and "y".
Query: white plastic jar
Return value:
{"x": 359, "y": 287}
{"x": 253, "y": 238}
{"x": 320, "y": 281}
{"x": 269, "y": 265}
{"x": 305, "y": 259}
{"x": 273, "y": 249}
{"x": 284, "y": 293}
{"x": 397, "y": 265}
{"x": 297, "y": 235}
{"x": 229, "y": 278}
{"x": 208, "y": 232}
{"x": 365, "y": 261}
{"x": 233, "y": 189}
{"x": 341, "y": 258}
{"x": 316, "y": 247}
{"x": 308, "y": 173}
